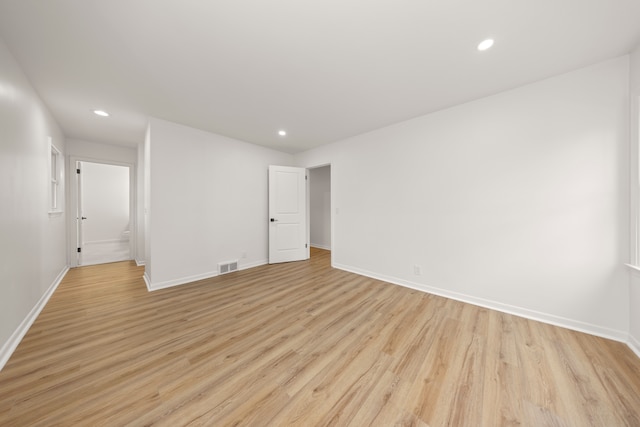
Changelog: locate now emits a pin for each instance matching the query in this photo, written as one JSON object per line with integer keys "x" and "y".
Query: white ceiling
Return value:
{"x": 323, "y": 70}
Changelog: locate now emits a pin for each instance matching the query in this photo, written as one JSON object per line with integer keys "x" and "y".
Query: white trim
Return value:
{"x": 253, "y": 264}
{"x": 634, "y": 268}
{"x": 307, "y": 203}
{"x": 576, "y": 325}
{"x": 58, "y": 181}
{"x": 87, "y": 264}
{"x": 325, "y": 247}
{"x": 189, "y": 279}
{"x": 139, "y": 262}
{"x": 178, "y": 282}
{"x": 12, "y": 343}
{"x": 147, "y": 280}
{"x": 634, "y": 345}
{"x": 101, "y": 242}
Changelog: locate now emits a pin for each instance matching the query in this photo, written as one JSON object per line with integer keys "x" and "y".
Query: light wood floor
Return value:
{"x": 302, "y": 344}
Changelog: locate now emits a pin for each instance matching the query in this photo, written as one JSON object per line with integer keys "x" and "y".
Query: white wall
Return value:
{"x": 634, "y": 291}
{"x": 207, "y": 203}
{"x": 517, "y": 201}
{"x": 320, "y": 207}
{"x": 32, "y": 246}
{"x": 99, "y": 152}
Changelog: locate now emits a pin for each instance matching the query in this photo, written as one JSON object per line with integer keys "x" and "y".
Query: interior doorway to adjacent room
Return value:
{"x": 320, "y": 235}
{"x": 103, "y": 213}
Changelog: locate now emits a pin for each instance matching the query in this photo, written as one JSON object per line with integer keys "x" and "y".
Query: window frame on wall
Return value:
{"x": 55, "y": 179}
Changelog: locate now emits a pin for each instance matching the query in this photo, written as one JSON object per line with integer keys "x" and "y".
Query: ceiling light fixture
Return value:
{"x": 485, "y": 44}
{"x": 282, "y": 133}
{"x": 101, "y": 113}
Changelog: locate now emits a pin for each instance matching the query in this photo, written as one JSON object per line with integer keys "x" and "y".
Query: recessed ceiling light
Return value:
{"x": 485, "y": 44}
{"x": 282, "y": 133}
{"x": 101, "y": 113}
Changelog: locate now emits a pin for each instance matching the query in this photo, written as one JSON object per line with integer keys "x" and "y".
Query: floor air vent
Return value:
{"x": 227, "y": 267}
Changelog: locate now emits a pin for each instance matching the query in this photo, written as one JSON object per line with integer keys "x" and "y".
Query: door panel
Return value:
{"x": 287, "y": 236}
{"x": 103, "y": 213}
{"x": 287, "y": 214}
{"x": 286, "y": 193}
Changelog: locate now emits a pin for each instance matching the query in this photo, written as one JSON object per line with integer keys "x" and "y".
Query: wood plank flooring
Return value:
{"x": 302, "y": 344}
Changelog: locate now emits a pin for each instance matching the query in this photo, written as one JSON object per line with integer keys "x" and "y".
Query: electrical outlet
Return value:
{"x": 244, "y": 255}
{"x": 417, "y": 270}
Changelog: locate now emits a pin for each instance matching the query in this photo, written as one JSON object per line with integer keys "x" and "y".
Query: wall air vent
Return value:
{"x": 227, "y": 267}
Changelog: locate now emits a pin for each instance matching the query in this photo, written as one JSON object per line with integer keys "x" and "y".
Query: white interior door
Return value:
{"x": 287, "y": 214}
{"x": 103, "y": 213}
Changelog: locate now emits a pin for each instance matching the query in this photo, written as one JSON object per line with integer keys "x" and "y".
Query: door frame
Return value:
{"x": 72, "y": 227}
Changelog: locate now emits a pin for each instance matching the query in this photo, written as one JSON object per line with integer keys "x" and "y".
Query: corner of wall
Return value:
{"x": 190, "y": 279}
{"x": 634, "y": 345}
{"x": 147, "y": 281}
{"x": 634, "y": 147}
{"x": 616, "y": 335}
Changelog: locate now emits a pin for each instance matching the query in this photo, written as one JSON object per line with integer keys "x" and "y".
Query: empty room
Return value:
{"x": 270, "y": 213}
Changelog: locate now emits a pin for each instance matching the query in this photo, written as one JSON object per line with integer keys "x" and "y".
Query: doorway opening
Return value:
{"x": 320, "y": 233}
{"x": 104, "y": 230}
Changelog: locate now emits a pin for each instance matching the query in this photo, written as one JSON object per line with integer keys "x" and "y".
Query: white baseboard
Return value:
{"x": 563, "y": 322}
{"x": 634, "y": 345}
{"x": 195, "y": 278}
{"x": 107, "y": 241}
{"x": 139, "y": 262}
{"x": 325, "y": 247}
{"x": 253, "y": 264}
{"x": 109, "y": 261}
{"x": 10, "y": 346}
{"x": 147, "y": 281}
{"x": 180, "y": 281}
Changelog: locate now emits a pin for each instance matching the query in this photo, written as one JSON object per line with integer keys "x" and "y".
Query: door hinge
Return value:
{"x": 79, "y": 250}
{"x": 77, "y": 171}
{"x": 306, "y": 177}
{"x": 305, "y": 245}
